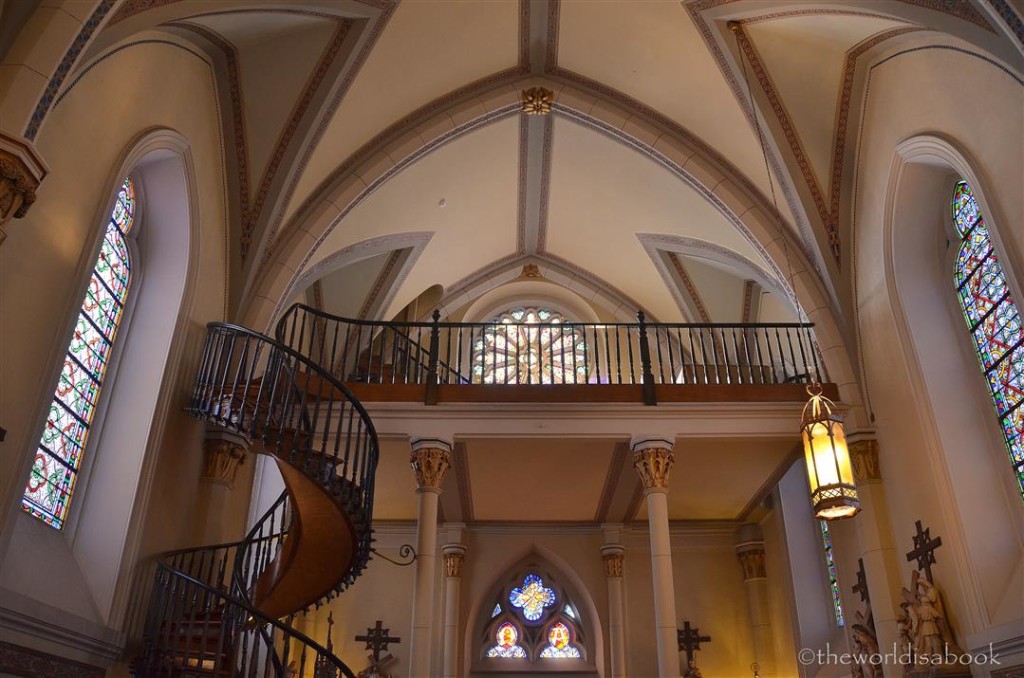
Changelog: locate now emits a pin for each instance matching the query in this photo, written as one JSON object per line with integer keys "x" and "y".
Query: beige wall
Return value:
{"x": 89, "y": 141}
{"x": 942, "y": 457}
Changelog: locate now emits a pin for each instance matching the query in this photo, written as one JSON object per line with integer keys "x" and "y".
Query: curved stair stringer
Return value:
{"x": 317, "y": 553}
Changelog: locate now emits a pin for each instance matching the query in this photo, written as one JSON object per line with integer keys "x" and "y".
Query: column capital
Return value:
{"x": 613, "y": 557}
{"x": 652, "y": 459}
{"x": 21, "y": 172}
{"x": 430, "y": 459}
{"x": 752, "y": 559}
{"x": 864, "y": 458}
{"x": 453, "y": 556}
{"x": 222, "y": 457}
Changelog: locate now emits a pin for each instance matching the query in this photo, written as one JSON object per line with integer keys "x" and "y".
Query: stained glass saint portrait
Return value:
{"x": 59, "y": 453}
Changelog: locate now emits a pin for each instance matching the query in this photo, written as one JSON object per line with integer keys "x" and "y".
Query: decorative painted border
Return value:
{"x": 378, "y": 284}
{"x": 238, "y": 125}
{"x": 748, "y": 298}
{"x": 691, "y": 289}
{"x": 276, "y": 233}
{"x": 65, "y": 66}
{"x": 545, "y": 185}
{"x": 298, "y": 113}
{"x": 524, "y": 172}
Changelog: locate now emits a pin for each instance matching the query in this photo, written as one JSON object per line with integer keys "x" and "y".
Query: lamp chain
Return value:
{"x": 735, "y": 27}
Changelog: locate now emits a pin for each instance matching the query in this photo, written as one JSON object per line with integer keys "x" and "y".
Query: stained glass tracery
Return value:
{"x": 59, "y": 453}
{"x": 560, "y": 643}
{"x": 532, "y": 597}
{"x": 993, "y": 319}
{"x": 507, "y": 646}
{"x": 538, "y": 621}
{"x": 530, "y": 346}
{"x": 833, "y": 581}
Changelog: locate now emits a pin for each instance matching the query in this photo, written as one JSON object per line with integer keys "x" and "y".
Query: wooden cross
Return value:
{"x": 924, "y": 550}
{"x": 861, "y": 587}
{"x": 690, "y": 640}
{"x": 377, "y": 639}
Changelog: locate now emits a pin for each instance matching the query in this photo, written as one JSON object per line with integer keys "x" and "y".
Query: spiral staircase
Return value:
{"x": 228, "y": 609}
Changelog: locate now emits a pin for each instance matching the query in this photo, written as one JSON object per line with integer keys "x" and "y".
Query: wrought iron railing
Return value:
{"x": 504, "y": 353}
{"x": 201, "y": 618}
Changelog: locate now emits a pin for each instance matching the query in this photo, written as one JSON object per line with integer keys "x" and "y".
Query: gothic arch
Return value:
{"x": 959, "y": 435}
{"x": 107, "y": 520}
{"x": 480, "y": 608}
{"x": 670, "y": 145}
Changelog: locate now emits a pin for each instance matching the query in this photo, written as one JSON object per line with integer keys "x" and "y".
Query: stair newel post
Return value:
{"x": 650, "y": 398}
{"x": 430, "y": 392}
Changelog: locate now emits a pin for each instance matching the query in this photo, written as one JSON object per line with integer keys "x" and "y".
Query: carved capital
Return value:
{"x": 453, "y": 557}
{"x": 21, "y": 172}
{"x": 221, "y": 460}
{"x": 430, "y": 460}
{"x": 864, "y": 458}
{"x": 653, "y": 459}
{"x": 613, "y": 559}
{"x": 751, "y": 555}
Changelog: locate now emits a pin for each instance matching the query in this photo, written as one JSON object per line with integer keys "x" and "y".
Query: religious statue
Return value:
{"x": 905, "y": 624}
{"x": 692, "y": 671}
{"x": 865, "y": 644}
{"x": 925, "y": 628}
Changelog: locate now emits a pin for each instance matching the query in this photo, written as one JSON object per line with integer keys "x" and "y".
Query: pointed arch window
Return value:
{"x": 993, "y": 319}
{"x": 534, "y": 624}
{"x": 58, "y": 456}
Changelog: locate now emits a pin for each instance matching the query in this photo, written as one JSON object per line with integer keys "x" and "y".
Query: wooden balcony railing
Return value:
{"x": 650, "y": 356}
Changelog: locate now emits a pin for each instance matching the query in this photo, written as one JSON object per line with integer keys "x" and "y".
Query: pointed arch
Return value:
{"x": 542, "y": 606}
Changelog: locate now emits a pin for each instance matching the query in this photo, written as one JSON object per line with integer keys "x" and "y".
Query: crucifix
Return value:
{"x": 924, "y": 550}
{"x": 861, "y": 587}
{"x": 377, "y": 640}
{"x": 690, "y": 640}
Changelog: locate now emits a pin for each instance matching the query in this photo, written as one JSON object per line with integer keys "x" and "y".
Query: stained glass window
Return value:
{"x": 59, "y": 453}
{"x": 530, "y": 346}
{"x": 532, "y": 597}
{"x": 533, "y": 617}
{"x": 830, "y": 567}
{"x": 993, "y": 320}
{"x": 506, "y": 647}
{"x": 560, "y": 643}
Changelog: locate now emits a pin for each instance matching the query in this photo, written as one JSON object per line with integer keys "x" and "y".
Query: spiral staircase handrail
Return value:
{"x": 263, "y": 620}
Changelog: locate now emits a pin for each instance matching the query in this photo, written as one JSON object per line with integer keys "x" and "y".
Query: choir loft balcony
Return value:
{"x": 525, "y": 357}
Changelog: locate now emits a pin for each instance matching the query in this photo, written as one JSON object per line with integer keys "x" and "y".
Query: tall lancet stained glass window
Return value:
{"x": 993, "y": 319}
{"x": 530, "y": 346}
{"x": 59, "y": 453}
{"x": 833, "y": 579}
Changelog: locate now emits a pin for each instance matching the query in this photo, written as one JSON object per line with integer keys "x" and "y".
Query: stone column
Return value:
{"x": 430, "y": 459}
{"x": 21, "y": 172}
{"x": 453, "y": 556}
{"x": 750, "y": 550}
{"x": 652, "y": 458}
{"x": 223, "y": 454}
{"x": 876, "y": 544}
{"x": 612, "y": 556}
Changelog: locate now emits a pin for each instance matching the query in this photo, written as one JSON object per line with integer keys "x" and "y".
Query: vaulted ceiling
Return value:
{"x": 389, "y": 133}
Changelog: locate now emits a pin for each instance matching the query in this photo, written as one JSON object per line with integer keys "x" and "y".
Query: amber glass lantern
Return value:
{"x": 833, "y": 492}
